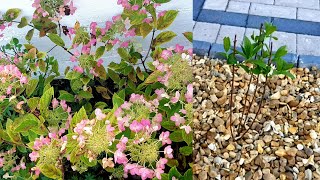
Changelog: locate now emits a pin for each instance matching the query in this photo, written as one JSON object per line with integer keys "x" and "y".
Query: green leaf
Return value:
{"x": 117, "y": 100}
{"x": 174, "y": 173}
{"x": 25, "y": 123}
{"x": 50, "y": 171}
{"x": 161, "y": 1}
{"x": 169, "y": 125}
{"x": 113, "y": 75}
{"x": 145, "y": 29}
{"x": 73, "y": 75}
{"x": 64, "y": 95}
{"x": 33, "y": 103}
{"x": 187, "y": 137}
{"x": 164, "y": 37}
{"x": 23, "y": 22}
{"x": 32, "y": 85}
{"x": 189, "y": 36}
{"x": 166, "y": 20}
{"x": 176, "y": 136}
{"x": 226, "y": 44}
{"x": 123, "y": 53}
{"x": 12, "y": 14}
{"x": 172, "y": 162}
{"x": 282, "y": 51}
{"x": 186, "y": 150}
{"x": 187, "y": 175}
{"x": 56, "y": 39}
{"x": 153, "y": 77}
{"x": 45, "y": 99}
{"x": 85, "y": 94}
{"x": 100, "y": 51}
{"x": 29, "y": 34}
{"x": 78, "y": 117}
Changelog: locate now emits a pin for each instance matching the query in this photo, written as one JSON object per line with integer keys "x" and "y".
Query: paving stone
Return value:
{"x": 222, "y": 17}
{"x": 206, "y": 31}
{"x": 308, "y": 15}
{"x": 201, "y": 47}
{"x": 255, "y": 21}
{"x": 273, "y": 11}
{"x": 216, "y": 4}
{"x": 312, "y": 4}
{"x": 308, "y": 45}
{"x": 238, "y": 7}
{"x": 230, "y": 31}
{"x": 259, "y": 1}
{"x": 285, "y": 39}
{"x": 197, "y": 5}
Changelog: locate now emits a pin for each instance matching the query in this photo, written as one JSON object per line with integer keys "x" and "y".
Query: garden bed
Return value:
{"x": 283, "y": 142}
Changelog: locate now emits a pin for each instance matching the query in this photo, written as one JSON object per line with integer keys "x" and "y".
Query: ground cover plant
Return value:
{"x": 130, "y": 119}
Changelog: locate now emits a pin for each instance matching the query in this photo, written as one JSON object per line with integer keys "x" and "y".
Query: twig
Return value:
{"x": 232, "y": 86}
{"x": 143, "y": 61}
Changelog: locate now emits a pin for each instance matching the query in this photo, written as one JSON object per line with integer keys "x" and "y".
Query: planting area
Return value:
{"x": 281, "y": 143}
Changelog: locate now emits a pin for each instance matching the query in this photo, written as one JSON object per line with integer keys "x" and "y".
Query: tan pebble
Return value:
{"x": 260, "y": 149}
{"x": 293, "y": 130}
{"x": 230, "y": 147}
{"x": 283, "y": 176}
{"x": 284, "y": 92}
{"x": 222, "y": 100}
{"x": 277, "y": 95}
{"x": 281, "y": 152}
{"x": 292, "y": 152}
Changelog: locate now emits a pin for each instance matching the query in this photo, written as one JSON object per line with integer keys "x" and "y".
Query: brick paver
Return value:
{"x": 298, "y": 23}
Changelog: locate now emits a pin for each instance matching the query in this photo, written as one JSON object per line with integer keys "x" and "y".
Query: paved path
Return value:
{"x": 297, "y": 21}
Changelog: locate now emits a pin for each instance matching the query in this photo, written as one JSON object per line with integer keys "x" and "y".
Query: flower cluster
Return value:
{"x": 11, "y": 79}
{"x": 59, "y": 117}
{"x": 8, "y": 162}
{"x": 94, "y": 136}
{"x": 175, "y": 68}
{"x": 54, "y": 9}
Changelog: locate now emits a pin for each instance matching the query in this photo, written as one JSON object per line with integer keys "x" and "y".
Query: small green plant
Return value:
{"x": 259, "y": 60}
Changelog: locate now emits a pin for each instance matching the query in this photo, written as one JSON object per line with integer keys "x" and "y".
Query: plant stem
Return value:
{"x": 144, "y": 60}
{"x": 232, "y": 86}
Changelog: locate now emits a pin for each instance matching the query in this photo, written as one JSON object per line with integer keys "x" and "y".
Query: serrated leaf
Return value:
{"x": 186, "y": 150}
{"x": 23, "y": 22}
{"x": 189, "y": 36}
{"x": 29, "y": 34}
{"x": 145, "y": 29}
{"x": 45, "y": 99}
{"x": 33, "y": 103}
{"x": 50, "y": 171}
{"x": 56, "y": 39}
{"x": 176, "y": 136}
{"x": 163, "y": 37}
{"x": 85, "y": 94}
{"x": 25, "y": 123}
{"x": 32, "y": 85}
{"x": 65, "y": 95}
{"x": 167, "y": 19}
{"x": 100, "y": 51}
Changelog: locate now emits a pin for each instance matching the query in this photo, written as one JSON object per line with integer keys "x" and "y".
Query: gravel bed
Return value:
{"x": 282, "y": 144}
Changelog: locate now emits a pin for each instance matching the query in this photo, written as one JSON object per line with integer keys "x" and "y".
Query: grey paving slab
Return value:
{"x": 238, "y": 7}
{"x": 308, "y": 45}
{"x": 206, "y": 32}
{"x": 273, "y": 11}
{"x": 308, "y": 15}
{"x": 216, "y": 4}
{"x": 311, "y": 4}
{"x": 230, "y": 31}
{"x": 285, "y": 39}
{"x": 258, "y": 1}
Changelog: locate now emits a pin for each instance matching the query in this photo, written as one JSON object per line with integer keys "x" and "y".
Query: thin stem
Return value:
{"x": 232, "y": 86}
{"x": 144, "y": 60}
{"x": 52, "y": 48}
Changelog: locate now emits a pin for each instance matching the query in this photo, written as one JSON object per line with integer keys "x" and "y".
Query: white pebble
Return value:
{"x": 313, "y": 134}
{"x": 299, "y": 147}
{"x": 212, "y": 146}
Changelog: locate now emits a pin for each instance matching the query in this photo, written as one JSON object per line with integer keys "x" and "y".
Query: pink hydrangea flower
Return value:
{"x": 176, "y": 98}
{"x": 135, "y": 126}
{"x": 189, "y": 94}
{"x": 186, "y": 128}
{"x": 164, "y": 138}
{"x": 34, "y": 156}
{"x": 120, "y": 157}
{"x": 166, "y": 54}
{"x": 177, "y": 119}
{"x": 1, "y": 162}
{"x": 168, "y": 152}
{"x": 55, "y": 103}
{"x": 78, "y": 69}
{"x": 179, "y": 49}
{"x": 99, "y": 114}
{"x": 162, "y": 13}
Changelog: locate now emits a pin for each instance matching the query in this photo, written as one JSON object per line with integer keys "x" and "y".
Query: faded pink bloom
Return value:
{"x": 162, "y": 13}
{"x": 124, "y": 44}
{"x": 63, "y": 104}
{"x": 55, "y": 103}
{"x": 130, "y": 33}
{"x": 179, "y": 49}
{"x": 158, "y": 118}
{"x": 9, "y": 89}
{"x": 176, "y": 98}
{"x": 78, "y": 69}
{"x": 99, "y": 62}
{"x": 177, "y": 119}
{"x": 135, "y": 7}
{"x": 126, "y": 105}
{"x": 146, "y": 173}
{"x": 120, "y": 157}
{"x": 143, "y": 11}
{"x": 168, "y": 152}
{"x": 34, "y": 156}
{"x": 19, "y": 105}
{"x": 1, "y": 162}
{"x": 166, "y": 54}
{"x": 189, "y": 94}
{"x": 186, "y": 128}
{"x": 116, "y": 18}
{"x": 99, "y": 114}
{"x": 164, "y": 138}
{"x": 147, "y": 20}
{"x": 161, "y": 163}
{"x": 135, "y": 126}
{"x": 190, "y": 51}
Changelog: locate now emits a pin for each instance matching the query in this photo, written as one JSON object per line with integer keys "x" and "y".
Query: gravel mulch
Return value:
{"x": 282, "y": 144}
